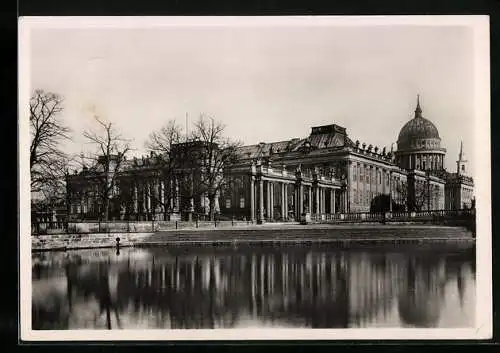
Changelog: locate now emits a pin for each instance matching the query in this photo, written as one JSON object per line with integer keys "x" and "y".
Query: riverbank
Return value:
{"x": 266, "y": 234}
{"x": 63, "y": 242}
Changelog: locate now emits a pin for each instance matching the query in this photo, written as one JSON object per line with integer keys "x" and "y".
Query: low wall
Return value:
{"x": 82, "y": 241}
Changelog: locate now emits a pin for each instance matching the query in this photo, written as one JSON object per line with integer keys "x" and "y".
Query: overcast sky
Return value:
{"x": 265, "y": 83}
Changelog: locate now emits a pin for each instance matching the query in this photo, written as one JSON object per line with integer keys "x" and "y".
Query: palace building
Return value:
{"x": 322, "y": 174}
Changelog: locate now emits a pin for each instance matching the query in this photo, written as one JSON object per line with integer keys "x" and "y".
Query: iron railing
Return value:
{"x": 86, "y": 227}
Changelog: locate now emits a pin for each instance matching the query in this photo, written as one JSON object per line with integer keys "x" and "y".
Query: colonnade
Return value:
{"x": 156, "y": 196}
{"x": 424, "y": 161}
{"x": 275, "y": 199}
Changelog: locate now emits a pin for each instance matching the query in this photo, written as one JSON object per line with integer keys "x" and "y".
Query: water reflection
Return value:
{"x": 321, "y": 288}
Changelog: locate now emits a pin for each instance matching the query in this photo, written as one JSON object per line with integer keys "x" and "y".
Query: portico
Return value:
{"x": 278, "y": 194}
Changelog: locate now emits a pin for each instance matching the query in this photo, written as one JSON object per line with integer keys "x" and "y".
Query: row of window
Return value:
{"x": 364, "y": 197}
{"x": 368, "y": 175}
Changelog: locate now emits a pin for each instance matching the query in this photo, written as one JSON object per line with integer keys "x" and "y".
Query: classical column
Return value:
{"x": 332, "y": 208}
{"x": 330, "y": 202}
{"x": 322, "y": 209}
{"x": 271, "y": 199}
{"x": 252, "y": 198}
{"x": 285, "y": 197}
{"x": 283, "y": 201}
{"x": 144, "y": 200}
{"x": 301, "y": 199}
{"x": 321, "y": 203}
{"x": 390, "y": 192}
{"x": 428, "y": 194}
{"x": 316, "y": 194}
{"x": 136, "y": 200}
{"x": 162, "y": 193}
{"x": 346, "y": 200}
{"x": 325, "y": 202}
{"x": 268, "y": 200}
{"x": 177, "y": 195}
{"x": 171, "y": 195}
{"x": 309, "y": 204}
{"x": 192, "y": 192}
{"x": 261, "y": 200}
{"x": 148, "y": 195}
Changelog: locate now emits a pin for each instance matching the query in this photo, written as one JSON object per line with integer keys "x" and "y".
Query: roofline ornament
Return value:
{"x": 418, "y": 110}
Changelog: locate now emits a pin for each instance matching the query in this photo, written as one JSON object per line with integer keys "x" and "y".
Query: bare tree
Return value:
{"x": 215, "y": 154}
{"x": 400, "y": 194}
{"x": 111, "y": 150}
{"x": 162, "y": 145}
{"x": 47, "y": 161}
{"x": 421, "y": 195}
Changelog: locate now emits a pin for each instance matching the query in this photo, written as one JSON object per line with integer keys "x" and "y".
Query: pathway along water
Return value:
{"x": 373, "y": 235}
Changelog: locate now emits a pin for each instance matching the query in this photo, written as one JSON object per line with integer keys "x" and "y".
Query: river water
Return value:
{"x": 254, "y": 287}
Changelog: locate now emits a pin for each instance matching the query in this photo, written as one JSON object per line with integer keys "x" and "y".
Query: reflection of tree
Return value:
{"x": 50, "y": 315}
{"x": 319, "y": 289}
{"x": 96, "y": 285}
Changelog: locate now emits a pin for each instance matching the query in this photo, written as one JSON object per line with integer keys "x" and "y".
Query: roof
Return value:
{"x": 418, "y": 128}
{"x": 327, "y": 136}
{"x": 264, "y": 149}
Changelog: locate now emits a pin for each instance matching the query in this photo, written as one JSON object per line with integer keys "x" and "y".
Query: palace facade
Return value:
{"x": 324, "y": 173}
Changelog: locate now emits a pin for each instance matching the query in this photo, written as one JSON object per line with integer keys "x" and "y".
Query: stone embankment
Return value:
{"x": 84, "y": 241}
{"x": 290, "y": 234}
{"x": 360, "y": 234}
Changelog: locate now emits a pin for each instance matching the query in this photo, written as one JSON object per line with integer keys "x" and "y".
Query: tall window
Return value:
{"x": 242, "y": 202}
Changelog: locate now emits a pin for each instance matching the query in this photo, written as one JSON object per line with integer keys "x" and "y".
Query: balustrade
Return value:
{"x": 52, "y": 227}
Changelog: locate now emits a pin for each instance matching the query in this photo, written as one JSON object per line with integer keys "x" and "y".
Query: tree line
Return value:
{"x": 109, "y": 149}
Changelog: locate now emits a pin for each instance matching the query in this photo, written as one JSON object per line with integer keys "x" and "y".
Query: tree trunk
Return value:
{"x": 211, "y": 199}
{"x": 106, "y": 209}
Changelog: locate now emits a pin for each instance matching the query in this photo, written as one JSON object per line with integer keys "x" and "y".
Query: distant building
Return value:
{"x": 460, "y": 186}
{"x": 324, "y": 173}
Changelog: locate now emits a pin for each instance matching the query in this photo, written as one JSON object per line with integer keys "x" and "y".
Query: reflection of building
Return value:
{"x": 324, "y": 173}
{"x": 421, "y": 301}
{"x": 318, "y": 289}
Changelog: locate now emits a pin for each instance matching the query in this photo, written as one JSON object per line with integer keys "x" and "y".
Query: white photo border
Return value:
{"x": 483, "y": 329}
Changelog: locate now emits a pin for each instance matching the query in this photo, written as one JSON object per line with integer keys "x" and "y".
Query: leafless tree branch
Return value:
{"x": 110, "y": 153}
{"x": 47, "y": 161}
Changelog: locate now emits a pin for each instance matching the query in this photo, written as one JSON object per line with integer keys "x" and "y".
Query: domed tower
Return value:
{"x": 419, "y": 144}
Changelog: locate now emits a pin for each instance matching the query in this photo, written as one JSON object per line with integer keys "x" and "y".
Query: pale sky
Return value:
{"x": 265, "y": 83}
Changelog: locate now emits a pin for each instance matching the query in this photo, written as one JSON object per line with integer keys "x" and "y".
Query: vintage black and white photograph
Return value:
{"x": 254, "y": 178}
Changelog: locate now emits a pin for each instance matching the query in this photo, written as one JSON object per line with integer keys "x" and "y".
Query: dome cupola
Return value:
{"x": 418, "y": 130}
{"x": 419, "y": 144}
